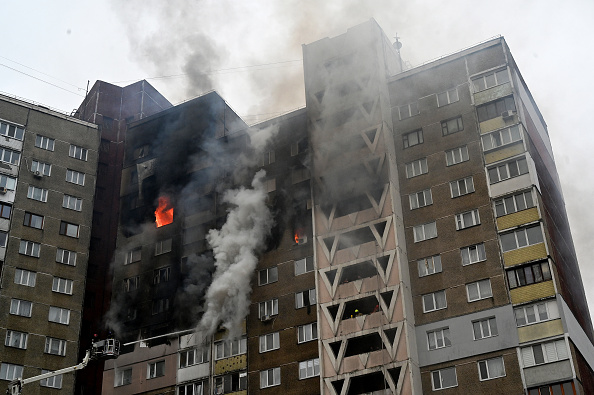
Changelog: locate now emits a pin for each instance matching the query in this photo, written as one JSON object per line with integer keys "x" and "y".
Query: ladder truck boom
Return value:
{"x": 103, "y": 349}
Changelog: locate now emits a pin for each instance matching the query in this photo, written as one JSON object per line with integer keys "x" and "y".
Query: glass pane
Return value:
{"x": 446, "y": 337}
{"x": 568, "y": 389}
{"x": 483, "y": 370}
{"x": 521, "y": 237}
{"x": 529, "y": 275}
{"x": 428, "y": 302}
{"x": 476, "y": 327}
{"x": 495, "y": 367}
{"x": 473, "y": 293}
{"x": 508, "y": 242}
{"x": 448, "y": 377}
{"x": 542, "y": 311}
{"x": 502, "y": 77}
{"x": 534, "y": 235}
{"x": 493, "y": 327}
{"x": 511, "y": 277}
{"x": 442, "y": 99}
{"x": 490, "y": 80}
{"x": 538, "y": 355}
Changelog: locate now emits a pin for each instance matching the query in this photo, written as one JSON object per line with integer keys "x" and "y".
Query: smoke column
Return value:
{"x": 236, "y": 247}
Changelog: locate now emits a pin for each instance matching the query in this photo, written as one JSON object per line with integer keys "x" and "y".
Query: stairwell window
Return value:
{"x": 467, "y": 219}
{"x": 434, "y": 301}
{"x": 420, "y": 199}
{"x": 412, "y": 138}
{"x": 36, "y": 193}
{"x": 479, "y": 290}
{"x": 461, "y": 187}
{"x": 439, "y": 338}
{"x": 457, "y": 155}
{"x": 416, "y": 168}
{"x": 77, "y": 152}
{"x": 44, "y": 143}
{"x": 507, "y": 170}
{"x": 428, "y": 266}
{"x": 425, "y": 232}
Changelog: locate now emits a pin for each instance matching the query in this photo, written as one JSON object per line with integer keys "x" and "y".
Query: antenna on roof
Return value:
{"x": 397, "y": 45}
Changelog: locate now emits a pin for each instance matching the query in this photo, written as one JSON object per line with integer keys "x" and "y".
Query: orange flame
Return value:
{"x": 163, "y": 213}
{"x": 297, "y": 238}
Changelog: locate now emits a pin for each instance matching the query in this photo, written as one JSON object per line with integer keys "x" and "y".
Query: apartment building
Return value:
{"x": 420, "y": 242}
{"x": 47, "y": 184}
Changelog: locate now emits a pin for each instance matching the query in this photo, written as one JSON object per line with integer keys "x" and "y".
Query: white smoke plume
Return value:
{"x": 236, "y": 247}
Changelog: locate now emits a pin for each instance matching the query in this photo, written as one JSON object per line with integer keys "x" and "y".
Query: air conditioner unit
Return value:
{"x": 3, "y": 190}
{"x": 37, "y": 174}
{"x": 507, "y": 114}
{"x": 301, "y": 240}
{"x": 265, "y": 318}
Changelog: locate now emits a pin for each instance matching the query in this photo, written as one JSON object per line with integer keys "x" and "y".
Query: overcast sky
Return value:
{"x": 250, "y": 52}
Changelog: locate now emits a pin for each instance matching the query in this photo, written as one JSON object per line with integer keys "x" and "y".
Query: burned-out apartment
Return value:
{"x": 403, "y": 233}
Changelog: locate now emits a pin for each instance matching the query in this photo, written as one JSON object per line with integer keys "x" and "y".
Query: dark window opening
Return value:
{"x": 368, "y": 383}
{"x": 363, "y": 344}
{"x": 358, "y": 271}
{"x": 355, "y": 237}
{"x": 360, "y": 307}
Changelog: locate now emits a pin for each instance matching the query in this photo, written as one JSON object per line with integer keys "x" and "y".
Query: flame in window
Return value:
{"x": 164, "y": 212}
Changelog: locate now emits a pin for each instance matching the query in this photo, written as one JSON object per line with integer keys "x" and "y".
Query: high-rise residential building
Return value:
{"x": 48, "y": 166}
{"x": 409, "y": 232}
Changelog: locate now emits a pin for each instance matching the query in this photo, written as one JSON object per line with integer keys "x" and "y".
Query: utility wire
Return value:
{"x": 39, "y": 79}
{"x": 41, "y": 72}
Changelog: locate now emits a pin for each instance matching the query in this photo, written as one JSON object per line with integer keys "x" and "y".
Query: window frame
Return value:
{"x": 406, "y": 138}
{"x": 155, "y": 369}
{"x": 491, "y": 325}
{"x": 441, "y": 379}
{"x": 462, "y": 218}
{"x": 78, "y": 152}
{"x": 414, "y": 199}
{"x": 304, "y": 367}
{"x": 432, "y": 262}
{"x": 51, "y": 382}
{"x": 196, "y": 359}
{"x": 419, "y": 165}
{"x": 75, "y": 177}
{"x": 300, "y": 298}
{"x": 10, "y": 156}
{"x": 501, "y": 209}
{"x": 230, "y": 348}
{"x": 445, "y": 126}
{"x": 423, "y": 227}
{"x": 265, "y": 376}
{"x": 307, "y": 332}
{"x": 550, "y": 309}
{"x": 44, "y": 168}
{"x": 29, "y": 281}
{"x": 545, "y": 352}
{"x": 44, "y": 142}
{"x": 480, "y": 285}
{"x": 521, "y": 235}
{"x": 69, "y": 229}
{"x": 163, "y": 246}
{"x": 438, "y": 335}
{"x": 67, "y": 286}
{"x": 5, "y": 210}
{"x": 70, "y": 256}
{"x": 497, "y": 76}
{"x": 268, "y": 308}
{"x": 68, "y": 199}
{"x": 501, "y": 138}
{"x": 7, "y": 182}
{"x": 5, "y": 368}
{"x": 304, "y": 265}
{"x": 16, "y": 339}
{"x": 268, "y": 271}
{"x": 10, "y": 130}
{"x": 159, "y": 277}
{"x": 48, "y": 349}
{"x": 131, "y": 256}
{"x": 409, "y": 110}
{"x": 520, "y": 274}
{"x": 434, "y": 300}
{"x": 452, "y": 159}
{"x": 494, "y": 109}
{"x": 468, "y": 189}
{"x": 448, "y": 97}
{"x": 481, "y": 254}
{"x": 33, "y": 246}
{"x": 33, "y": 191}
{"x": 485, "y": 363}
{"x": 269, "y": 342}
{"x": 123, "y": 377}
{"x": 519, "y": 166}
{"x": 62, "y": 315}
{"x": 30, "y": 219}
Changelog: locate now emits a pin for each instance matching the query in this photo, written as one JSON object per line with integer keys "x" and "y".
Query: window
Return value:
{"x": 408, "y": 110}
{"x": 420, "y": 199}
{"x": 131, "y": 283}
{"x": 268, "y": 276}
{"x": 568, "y": 388}
{"x": 473, "y": 254}
{"x": 484, "y": 328}
{"x": 21, "y": 307}
{"x": 412, "y": 138}
{"x": 230, "y": 348}
{"x": 501, "y": 137}
{"x": 536, "y": 312}
{"x": 68, "y": 229}
{"x": 13, "y": 131}
{"x": 530, "y": 274}
{"x": 66, "y": 257}
{"x": 447, "y": 97}
{"x": 523, "y": 237}
{"x": 5, "y": 210}
{"x": 160, "y": 305}
{"x": 33, "y": 220}
{"x": 155, "y": 369}
{"x": 51, "y": 382}
{"x": 491, "y": 368}
{"x": 434, "y": 301}
{"x": 444, "y": 378}
{"x": 505, "y": 171}
{"x": 452, "y": 126}
{"x": 161, "y": 275}
{"x": 304, "y": 265}
{"x": 268, "y": 308}
{"x": 310, "y": 368}
{"x": 75, "y": 177}
{"x": 299, "y": 147}
{"x": 55, "y": 346}
{"x": 62, "y": 285}
{"x": 24, "y": 277}
{"x": 514, "y": 203}
{"x": 192, "y": 356}
{"x": 479, "y": 290}
{"x": 270, "y": 378}
{"x": 307, "y": 332}
{"x": 37, "y": 193}
{"x": 16, "y": 339}
{"x": 44, "y": 169}
{"x": 270, "y": 185}
{"x": 72, "y": 202}
{"x": 133, "y": 255}
{"x": 430, "y": 265}
{"x": 10, "y": 372}
{"x": 77, "y": 152}
{"x": 123, "y": 377}
{"x": 462, "y": 187}
{"x": 230, "y": 383}
{"x": 9, "y": 156}
{"x": 44, "y": 143}
{"x": 267, "y": 158}
{"x": 7, "y": 182}
{"x": 269, "y": 342}
{"x": 29, "y": 248}
{"x": 196, "y": 388}
{"x": 467, "y": 219}
{"x": 162, "y": 247}
{"x": 425, "y": 232}
{"x": 457, "y": 155}
{"x": 495, "y": 108}
{"x": 438, "y": 339}
{"x": 59, "y": 315}
{"x": 548, "y": 352}
{"x": 416, "y": 168}
{"x": 305, "y": 298}
{"x": 489, "y": 80}
{"x": 3, "y": 239}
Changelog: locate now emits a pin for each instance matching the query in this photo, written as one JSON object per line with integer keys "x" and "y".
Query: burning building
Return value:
{"x": 403, "y": 233}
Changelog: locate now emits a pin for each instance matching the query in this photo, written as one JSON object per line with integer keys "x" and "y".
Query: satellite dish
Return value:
{"x": 397, "y": 45}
